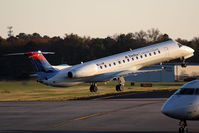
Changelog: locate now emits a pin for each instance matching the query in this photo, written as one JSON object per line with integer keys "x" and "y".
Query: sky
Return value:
{"x": 100, "y": 18}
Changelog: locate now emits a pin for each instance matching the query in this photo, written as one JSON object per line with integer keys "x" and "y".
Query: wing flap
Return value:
{"x": 123, "y": 73}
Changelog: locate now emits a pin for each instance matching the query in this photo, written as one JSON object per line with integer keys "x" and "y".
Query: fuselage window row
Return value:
{"x": 141, "y": 56}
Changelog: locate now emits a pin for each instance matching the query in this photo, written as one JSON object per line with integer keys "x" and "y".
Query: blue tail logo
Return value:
{"x": 41, "y": 65}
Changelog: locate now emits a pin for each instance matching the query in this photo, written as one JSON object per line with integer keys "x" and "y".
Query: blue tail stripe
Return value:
{"x": 42, "y": 66}
{"x": 35, "y": 66}
{"x": 43, "y": 69}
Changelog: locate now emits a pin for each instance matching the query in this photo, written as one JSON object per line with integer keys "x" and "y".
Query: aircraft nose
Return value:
{"x": 168, "y": 110}
{"x": 165, "y": 110}
{"x": 188, "y": 49}
{"x": 171, "y": 110}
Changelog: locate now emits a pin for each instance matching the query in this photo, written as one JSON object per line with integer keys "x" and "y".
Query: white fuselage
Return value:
{"x": 130, "y": 60}
{"x": 184, "y": 103}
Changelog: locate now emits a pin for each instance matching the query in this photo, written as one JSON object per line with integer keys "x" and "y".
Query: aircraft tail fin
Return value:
{"x": 40, "y": 64}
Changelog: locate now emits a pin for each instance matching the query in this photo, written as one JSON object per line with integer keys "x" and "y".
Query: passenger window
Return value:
{"x": 124, "y": 61}
{"x": 150, "y": 54}
{"x": 141, "y": 56}
{"x": 145, "y": 55}
{"x": 114, "y": 63}
{"x": 186, "y": 91}
{"x": 137, "y": 58}
{"x": 128, "y": 60}
{"x": 154, "y": 53}
{"x": 105, "y": 66}
{"x": 132, "y": 59}
{"x": 110, "y": 65}
{"x": 101, "y": 67}
{"x": 158, "y": 51}
{"x": 119, "y": 62}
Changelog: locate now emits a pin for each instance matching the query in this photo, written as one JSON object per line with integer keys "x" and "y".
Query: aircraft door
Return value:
{"x": 166, "y": 52}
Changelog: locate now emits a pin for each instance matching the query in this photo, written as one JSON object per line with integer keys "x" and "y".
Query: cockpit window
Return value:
{"x": 197, "y": 91}
{"x": 179, "y": 45}
{"x": 186, "y": 91}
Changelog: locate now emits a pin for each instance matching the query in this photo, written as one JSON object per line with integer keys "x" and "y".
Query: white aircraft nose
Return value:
{"x": 188, "y": 49}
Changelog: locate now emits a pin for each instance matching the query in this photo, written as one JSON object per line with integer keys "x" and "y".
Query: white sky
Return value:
{"x": 100, "y": 18}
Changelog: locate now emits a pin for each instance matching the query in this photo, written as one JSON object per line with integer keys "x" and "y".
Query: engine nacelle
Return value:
{"x": 70, "y": 74}
{"x": 85, "y": 71}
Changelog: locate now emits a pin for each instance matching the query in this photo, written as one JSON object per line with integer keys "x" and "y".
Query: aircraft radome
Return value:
{"x": 108, "y": 68}
{"x": 183, "y": 105}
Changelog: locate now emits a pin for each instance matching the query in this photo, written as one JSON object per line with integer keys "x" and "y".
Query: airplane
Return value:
{"x": 183, "y": 105}
{"x": 108, "y": 68}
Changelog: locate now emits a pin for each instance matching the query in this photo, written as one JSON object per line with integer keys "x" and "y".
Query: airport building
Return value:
{"x": 169, "y": 74}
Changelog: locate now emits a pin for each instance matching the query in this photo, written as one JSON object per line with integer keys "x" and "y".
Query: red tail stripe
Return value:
{"x": 35, "y": 55}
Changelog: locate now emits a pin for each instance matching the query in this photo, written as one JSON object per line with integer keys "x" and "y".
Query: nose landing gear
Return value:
{"x": 183, "y": 63}
{"x": 183, "y": 127}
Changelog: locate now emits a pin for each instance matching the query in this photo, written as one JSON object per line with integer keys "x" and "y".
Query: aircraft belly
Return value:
{"x": 154, "y": 61}
{"x": 68, "y": 84}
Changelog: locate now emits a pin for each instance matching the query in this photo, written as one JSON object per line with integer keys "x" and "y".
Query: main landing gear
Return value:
{"x": 183, "y": 62}
{"x": 183, "y": 126}
{"x": 93, "y": 87}
{"x": 120, "y": 86}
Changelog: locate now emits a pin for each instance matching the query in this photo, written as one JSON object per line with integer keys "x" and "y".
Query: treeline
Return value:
{"x": 73, "y": 49}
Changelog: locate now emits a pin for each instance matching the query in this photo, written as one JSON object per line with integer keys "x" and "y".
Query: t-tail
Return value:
{"x": 41, "y": 66}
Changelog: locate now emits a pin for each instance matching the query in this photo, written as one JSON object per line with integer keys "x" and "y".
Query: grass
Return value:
{"x": 31, "y": 90}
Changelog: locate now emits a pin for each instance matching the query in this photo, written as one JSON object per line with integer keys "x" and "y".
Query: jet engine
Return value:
{"x": 84, "y": 71}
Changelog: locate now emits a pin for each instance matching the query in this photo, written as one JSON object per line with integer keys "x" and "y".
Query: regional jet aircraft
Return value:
{"x": 184, "y": 104}
{"x": 107, "y": 68}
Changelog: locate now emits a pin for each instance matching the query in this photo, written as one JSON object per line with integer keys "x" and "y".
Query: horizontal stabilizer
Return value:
{"x": 27, "y": 53}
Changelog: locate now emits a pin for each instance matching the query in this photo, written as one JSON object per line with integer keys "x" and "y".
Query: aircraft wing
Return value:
{"x": 122, "y": 73}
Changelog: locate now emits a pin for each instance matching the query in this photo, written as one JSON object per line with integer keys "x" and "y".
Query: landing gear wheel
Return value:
{"x": 186, "y": 130}
{"x": 183, "y": 63}
{"x": 93, "y": 88}
{"x": 119, "y": 87}
{"x": 183, "y": 127}
{"x": 181, "y": 130}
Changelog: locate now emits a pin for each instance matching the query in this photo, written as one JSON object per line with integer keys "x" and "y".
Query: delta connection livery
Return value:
{"x": 108, "y": 68}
